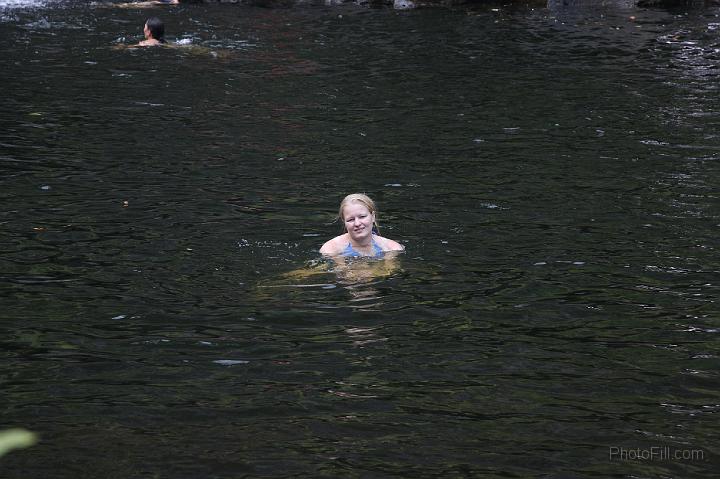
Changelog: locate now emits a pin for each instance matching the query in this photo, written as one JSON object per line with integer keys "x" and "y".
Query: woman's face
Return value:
{"x": 146, "y": 31}
{"x": 358, "y": 220}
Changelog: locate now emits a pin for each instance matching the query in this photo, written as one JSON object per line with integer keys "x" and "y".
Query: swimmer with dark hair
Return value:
{"x": 154, "y": 31}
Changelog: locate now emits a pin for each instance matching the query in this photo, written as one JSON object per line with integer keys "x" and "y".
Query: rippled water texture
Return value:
{"x": 553, "y": 174}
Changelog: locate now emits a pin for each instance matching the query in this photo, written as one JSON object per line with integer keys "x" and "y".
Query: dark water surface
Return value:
{"x": 553, "y": 174}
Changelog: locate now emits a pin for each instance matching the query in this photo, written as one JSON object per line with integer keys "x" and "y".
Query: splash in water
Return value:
{"x": 22, "y": 3}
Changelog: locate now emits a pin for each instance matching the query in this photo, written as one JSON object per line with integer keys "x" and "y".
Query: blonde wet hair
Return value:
{"x": 365, "y": 201}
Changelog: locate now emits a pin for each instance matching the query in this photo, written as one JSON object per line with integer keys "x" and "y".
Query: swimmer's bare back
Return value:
{"x": 150, "y": 4}
{"x": 142, "y": 44}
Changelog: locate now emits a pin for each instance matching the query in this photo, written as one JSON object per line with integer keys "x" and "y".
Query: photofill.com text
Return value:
{"x": 655, "y": 453}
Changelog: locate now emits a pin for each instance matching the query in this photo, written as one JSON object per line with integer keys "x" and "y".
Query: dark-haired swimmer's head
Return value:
{"x": 155, "y": 29}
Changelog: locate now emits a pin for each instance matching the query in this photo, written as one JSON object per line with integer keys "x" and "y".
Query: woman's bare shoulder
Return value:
{"x": 389, "y": 245}
{"x": 334, "y": 246}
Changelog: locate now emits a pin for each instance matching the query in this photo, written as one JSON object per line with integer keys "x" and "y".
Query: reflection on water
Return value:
{"x": 360, "y": 278}
{"x": 552, "y": 172}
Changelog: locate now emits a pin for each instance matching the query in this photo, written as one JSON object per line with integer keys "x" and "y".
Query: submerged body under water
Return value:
{"x": 551, "y": 172}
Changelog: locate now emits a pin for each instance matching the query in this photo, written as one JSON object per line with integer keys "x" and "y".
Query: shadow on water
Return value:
{"x": 552, "y": 174}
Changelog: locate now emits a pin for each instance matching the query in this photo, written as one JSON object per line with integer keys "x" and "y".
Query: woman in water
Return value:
{"x": 358, "y": 214}
{"x": 154, "y": 31}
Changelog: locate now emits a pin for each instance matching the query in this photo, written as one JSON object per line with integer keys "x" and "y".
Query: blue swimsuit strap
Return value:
{"x": 350, "y": 251}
